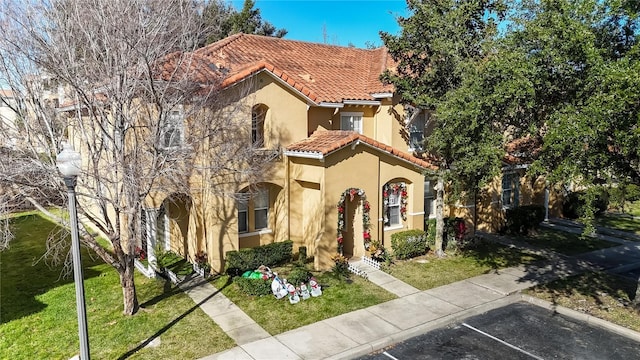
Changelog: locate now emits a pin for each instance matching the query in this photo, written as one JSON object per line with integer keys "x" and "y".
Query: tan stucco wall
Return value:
{"x": 316, "y": 188}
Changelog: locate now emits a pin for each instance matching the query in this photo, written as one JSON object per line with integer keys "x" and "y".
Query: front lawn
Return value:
{"x": 338, "y": 297}
{"x": 429, "y": 271}
{"x": 564, "y": 242}
{"x": 602, "y": 295}
{"x": 619, "y": 222}
{"x": 38, "y": 312}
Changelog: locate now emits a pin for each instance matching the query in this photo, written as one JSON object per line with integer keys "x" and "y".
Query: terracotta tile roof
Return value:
{"x": 324, "y": 73}
{"x": 523, "y": 150}
{"x": 323, "y": 143}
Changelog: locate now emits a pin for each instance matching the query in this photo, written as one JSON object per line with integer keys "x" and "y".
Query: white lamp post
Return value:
{"x": 69, "y": 162}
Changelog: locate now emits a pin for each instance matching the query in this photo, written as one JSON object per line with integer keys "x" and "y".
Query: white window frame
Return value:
{"x": 417, "y": 125}
{"x": 173, "y": 124}
{"x": 258, "y": 111}
{"x": 394, "y": 207}
{"x": 511, "y": 200}
{"x": 348, "y": 121}
{"x": 429, "y": 198}
{"x": 262, "y": 194}
{"x": 243, "y": 207}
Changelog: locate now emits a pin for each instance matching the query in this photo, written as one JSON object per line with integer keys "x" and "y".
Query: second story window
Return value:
{"x": 416, "y": 129}
{"x": 258, "y": 115}
{"x": 172, "y": 130}
{"x": 351, "y": 122}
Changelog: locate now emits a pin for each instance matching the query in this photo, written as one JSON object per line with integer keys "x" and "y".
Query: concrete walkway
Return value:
{"x": 414, "y": 312}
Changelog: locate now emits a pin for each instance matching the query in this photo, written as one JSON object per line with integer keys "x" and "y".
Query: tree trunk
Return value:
{"x": 636, "y": 300}
{"x": 439, "y": 188}
{"x": 129, "y": 288}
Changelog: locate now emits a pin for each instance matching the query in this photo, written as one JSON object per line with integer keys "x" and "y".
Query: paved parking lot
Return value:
{"x": 516, "y": 331}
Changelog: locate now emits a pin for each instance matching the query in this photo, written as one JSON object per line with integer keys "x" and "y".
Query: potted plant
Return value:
{"x": 201, "y": 265}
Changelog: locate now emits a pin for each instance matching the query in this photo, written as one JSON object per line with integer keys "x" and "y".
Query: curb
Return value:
{"x": 403, "y": 335}
{"x": 577, "y": 315}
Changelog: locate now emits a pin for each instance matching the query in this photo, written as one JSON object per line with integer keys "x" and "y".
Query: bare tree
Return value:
{"x": 145, "y": 111}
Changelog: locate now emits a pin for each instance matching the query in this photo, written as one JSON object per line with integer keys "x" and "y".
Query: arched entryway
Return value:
{"x": 173, "y": 224}
{"x": 354, "y": 223}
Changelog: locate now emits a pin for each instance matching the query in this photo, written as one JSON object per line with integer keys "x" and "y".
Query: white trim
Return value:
{"x": 167, "y": 233}
{"x": 416, "y": 213}
{"x": 304, "y": 154}
{"x": 259, "y": 232}
{"x": 352, "y": 115}
{"x": 330, "y": 105}
{"x": 394, "y": 156}
{"x": 393, "y": 227}
{"x": 384, "y": 95}
{"x": 362, "y": 102}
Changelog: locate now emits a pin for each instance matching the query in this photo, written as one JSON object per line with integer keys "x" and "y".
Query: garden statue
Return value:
{"x": 316, "y": 290}
{"x": 278, "y": 288}
{"x": 304, "y": 291}
{"x": 293, "y": 294}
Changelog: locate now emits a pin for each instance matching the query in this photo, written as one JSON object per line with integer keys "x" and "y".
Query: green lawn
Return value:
{"x": 602, "y": 295}
{"x": 338, "y": 297}
{"x": 624, "y": 223}
{"x": 429, "y": 271}
{"x": 38, "y": 311}
{"x": 565, "y": 243}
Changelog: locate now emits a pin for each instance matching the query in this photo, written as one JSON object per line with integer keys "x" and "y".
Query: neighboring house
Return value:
{"x": 515, "y": 188}
{"x": 346, "y": 173}
{"x": 348, "y": 169}
{"x": 9, "y": 119}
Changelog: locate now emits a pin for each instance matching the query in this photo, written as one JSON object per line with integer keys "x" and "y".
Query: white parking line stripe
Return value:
{"x": 390, "y": 356}
{"x": 502, "y": 342}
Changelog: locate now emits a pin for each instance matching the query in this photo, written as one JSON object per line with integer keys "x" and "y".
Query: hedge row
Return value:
{"x": 408, "y": 244}
{"x": 250, "y": 259}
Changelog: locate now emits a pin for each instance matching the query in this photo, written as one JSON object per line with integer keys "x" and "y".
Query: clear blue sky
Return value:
{"x": 351, "y": 21}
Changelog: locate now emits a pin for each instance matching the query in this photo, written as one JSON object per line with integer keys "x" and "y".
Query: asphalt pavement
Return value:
{"x": 517, "y": 331}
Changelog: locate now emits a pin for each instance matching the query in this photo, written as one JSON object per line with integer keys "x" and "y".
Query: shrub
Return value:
{"x": 299, "y": 275}
{"x": 253, "y": 287}
{"x": 431, "y": 233}
{"x": 573, "y": 205}
{"x": 521, "y": 220}
{"x": 408, "y": 244}
{"x": 250, "y": 259}
{"x": 624, "y": 193}
{"x": 454, "y": 231}
{"x": 302, "y": 255}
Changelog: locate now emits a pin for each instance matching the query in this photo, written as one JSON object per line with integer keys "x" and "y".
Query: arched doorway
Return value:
{"x": 354, "y": 223}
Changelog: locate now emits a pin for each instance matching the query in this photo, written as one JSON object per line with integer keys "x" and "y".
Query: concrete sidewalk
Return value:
{"x": 413, "y": 313}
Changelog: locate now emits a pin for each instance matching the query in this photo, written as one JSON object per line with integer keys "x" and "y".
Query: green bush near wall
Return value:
{"x": 239, "y": 261}
{"x": 431, "y": 233}
{"x": 253, "y": 287}
{"x": 522, "y": 219}
{"x": 408, "y": 244}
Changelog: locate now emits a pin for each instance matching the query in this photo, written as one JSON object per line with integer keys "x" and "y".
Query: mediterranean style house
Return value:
{"x": 346, "y": 169}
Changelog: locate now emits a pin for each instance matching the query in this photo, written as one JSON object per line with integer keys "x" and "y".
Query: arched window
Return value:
{"x": 258, "y": 115}
{"x": 394, "y": 197}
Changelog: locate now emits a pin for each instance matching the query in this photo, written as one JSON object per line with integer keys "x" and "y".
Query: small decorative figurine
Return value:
{"x": 293, "y": 294}
{"x": 316, "y": 290}
{"x": 304, "y": 291}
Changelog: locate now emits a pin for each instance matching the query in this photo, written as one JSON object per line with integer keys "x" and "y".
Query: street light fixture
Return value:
{"x": 68, "y": 163}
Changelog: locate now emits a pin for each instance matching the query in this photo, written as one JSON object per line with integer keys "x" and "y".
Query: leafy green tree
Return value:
{"x": 441, "y": 43}
{"x": 222, "y": 20}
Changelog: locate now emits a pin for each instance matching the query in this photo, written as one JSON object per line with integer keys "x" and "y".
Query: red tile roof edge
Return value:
{"x": 350, "y": 137}
{"x": 255, "y": 68}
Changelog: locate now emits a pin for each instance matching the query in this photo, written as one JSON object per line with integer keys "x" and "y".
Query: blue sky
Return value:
{"x": 351, "y": 21}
